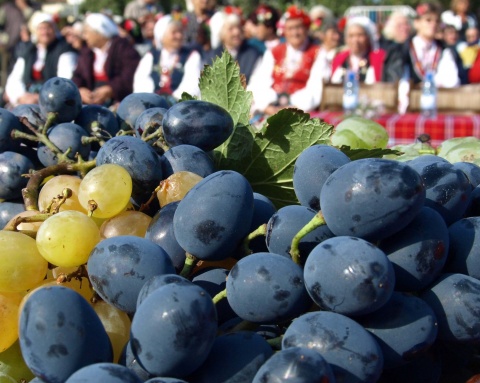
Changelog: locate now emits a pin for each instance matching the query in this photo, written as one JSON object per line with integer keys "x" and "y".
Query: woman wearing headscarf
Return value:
{"x": 47, "y": 56}
{"x": 363, "y": 56}
{"x": 106, "y": 64}
{"x": 169, "y": 68}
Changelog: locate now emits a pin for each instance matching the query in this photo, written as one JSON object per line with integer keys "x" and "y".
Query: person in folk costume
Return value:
{"x": 265, "y": 19}
{"x": 47, "y": 56}
{"x": 227, "y": 34}
{"x": 106, "y": 65}
{"x": 363, "y": 56}
{"x": 169, "y": 68}
{"x": 289, "y": 76}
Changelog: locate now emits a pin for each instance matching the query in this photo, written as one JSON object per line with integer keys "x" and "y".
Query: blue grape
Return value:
{"x": 132, "y": 106}
{"x": 471, "y": 170}
{"x": 267, "y": 288}
{"x": 138, "y": 158}
{"x": 158, "y": 281}
{"x": 214, "y": 281}
{"x": 165, "y": 380}
{"x": 349, "y": 275}
{"x": 263, "y": 210}
{"x": 199, "y": 123}
{"x": 312, "y": 168}
{"x": 37, "y": 380}
{"x": 98, "y": 120}
{"x": 234, "y": 358}
{"x": 151, "y": 118}
{"x": 419, "y": 251}
{"x": 8, "y": 123}
{"x": 160, "y": 231}
{"x": 464, "y": 251}
{"x": 31, "y": 112}
{"x": 60, "y": 333}
{"x": 286, "y": 223}
{"x": 474, "y": 207}
{"x": 187, "y": 158}
{"x": 404, "y": 328}
{"x": 118, "y": 268}
{"x": 455, "y": 299}
{"x": 61, "y": 96}
{"x": 13, "y": 166}
{"x": 132, "y": 364}
{"x": 173, "y": 330}
{"x": 215, "y": 215}
{"x": 295, "y": 365}
{"x": 64, "y": 136}
{"x": 105, "y": 373}
{"x": 447, "y": 188}
{"x": 10, "y": 209}
{"x": 352, "y": 352}
{"x": 371, "y": 198}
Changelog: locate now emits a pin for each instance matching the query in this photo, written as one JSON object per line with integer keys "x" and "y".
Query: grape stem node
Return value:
{"x": 260, "y": 231}
{"x": 190, "y": 263}
{"x": 317, "y": 221}
{"x": 221, "y": 295}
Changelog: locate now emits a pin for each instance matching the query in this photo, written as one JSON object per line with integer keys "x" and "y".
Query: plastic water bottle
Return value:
{"x": 428, "y": 98}
{"x": 350, "y": 92}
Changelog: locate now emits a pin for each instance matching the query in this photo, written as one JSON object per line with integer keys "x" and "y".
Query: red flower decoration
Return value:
{"x": 293, "y": 12}
{"x": 422, "y": 9}
{"x": 231, "y": 10}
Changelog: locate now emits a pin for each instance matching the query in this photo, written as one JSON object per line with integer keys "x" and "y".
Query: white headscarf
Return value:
{"x": 369, "y": 27}
{"x": 102, "y": 24}
{"x": 216, "y": 23}
{"x": 160, "y": 28}
{"x": 39, "y": 18}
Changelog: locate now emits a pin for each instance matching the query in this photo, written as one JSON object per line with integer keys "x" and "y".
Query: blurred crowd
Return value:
{"x": 286, "y": 56}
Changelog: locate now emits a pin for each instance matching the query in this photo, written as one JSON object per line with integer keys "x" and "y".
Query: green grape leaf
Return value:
{"x": 221, "y": 83}
{"x": 267, "y": 158}
{"x": 186, "y": 97}
{"x": 357, "y": 154}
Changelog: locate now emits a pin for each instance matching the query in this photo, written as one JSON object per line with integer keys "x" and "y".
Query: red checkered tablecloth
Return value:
{"x": 404, "y": 129}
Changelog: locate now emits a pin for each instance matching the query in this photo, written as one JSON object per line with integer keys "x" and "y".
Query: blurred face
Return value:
{"x": 45, "y": 33}
{"x": 93, "y": 38}
{"x": 173, "y": 37}
{"x": 331, "y": 38}
{"x": 427, "y": 26}
{"x": 295, "y": 32}
{"x": 462, "y": 6}
{"x": 250, "y": 29}
{"x": 147, "y": 29}
{"x": 232, "y": 35}
{"x": 471, "y": 35}
{"x": 357, "y": 40}
{"x": 403, "y": 30}
{"x": 450, "y": 36}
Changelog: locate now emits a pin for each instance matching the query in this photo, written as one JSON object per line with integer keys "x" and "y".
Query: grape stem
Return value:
{"x": 145, "y": 205}
{"x": 58, "y": 201}
{"x": 276, "y": 343}
{"x": 261, "y": 230}
{"x": 317, "y": 221}
{"x": 51, "y": 117}
{"x": 30, "y": 193}
{"x": 12, "y": 226}
{"x": 190, "y": 263}
{"x": 221, "y": 295}
{"x": 78, "y": 274}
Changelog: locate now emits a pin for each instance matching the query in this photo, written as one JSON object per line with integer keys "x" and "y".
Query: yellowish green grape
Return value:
{"x": 360, "y": 133}
{"x": 67, "y": 238}
{"x": 9, "y": 304}
{"x": 460, "y": 149}
{"x": 176, "y": 186}
{"x": 127, "y": 223}
{"x": 4, "y": 378}
{"x": 13, "y": 364}
{"x": 55, "y": 187}
{"x": 107, "y": 186}
{"x": 21, "y": 265}
{"x": 117, "y": 325}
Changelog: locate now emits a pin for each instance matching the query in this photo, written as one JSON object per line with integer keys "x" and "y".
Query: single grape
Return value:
{"x": 8, "y": 123}
{"x": 54, "y": 187}
{"x": 158, "y": 281}
{"x": 132, "y": 106}
{"x": 267, "y": 288}
{"x": 371, "y": 198}
{"x": 61, "y": 333}
{"x": 472, "y": 171}
{"x": 349, "y": 275}
{"x": 176, "y": 186}
{"x": 109, "y": 187}
{"x": 22, "y": 265}
{"x": 105, "y": 373}
{"x": 360, "y": 133}
{"x": 187, "y": 158}
{"x": 13, "y": 167}
{"x": 129, "y": 222}
{"x": 240, "y": 354}
{"x": 198, "y": 123}
{"x": 13, "y": 364}
{"x": 60, "y": 96}
{"x": 9, "y": 304}
{"x": 67, "y": 238}
{"x": 151, "y": 119}
{"x": 460, "y": 149}
{"x": 312, "y": 168}
{"x": 174, "y": 329}
{"x": 119, "y": 267}
{"x": 350, "y": 350}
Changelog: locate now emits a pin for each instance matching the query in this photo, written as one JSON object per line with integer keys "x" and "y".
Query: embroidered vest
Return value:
{"x": 175, "y": 75}
{"x": 298, "y": 80}
{"x": 375, "y": 59}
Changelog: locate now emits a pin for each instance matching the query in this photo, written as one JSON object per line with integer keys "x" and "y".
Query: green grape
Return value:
{"x": 126, "y": 223}
{"x": 13, "y": 364}
{"x": 176, "y": 186}
{"x": 463, "y": 151}
{"x": 451, "y": 143}
{"x": 22, "y": 266}
{"x": 66, "y": 238}
{"x": 4, "y": 378}
{"x": 109, "y": 186}
{"x": 117, "y": 325}
{"x": 55, "y": 187}
{"x": 360, "y": 133}
{"x": 9, "y": 304}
